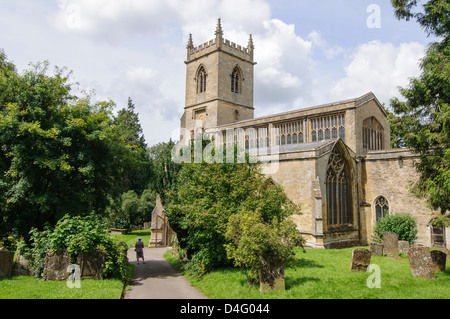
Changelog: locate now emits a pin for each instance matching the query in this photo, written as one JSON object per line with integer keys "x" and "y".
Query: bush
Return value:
{"x": 76, "y": 234}
{"x": 252, "y": 239}
{"x": 403, "y": 224}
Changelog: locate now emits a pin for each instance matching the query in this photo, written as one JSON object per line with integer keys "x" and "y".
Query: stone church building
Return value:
{"x": 334, "y": 160}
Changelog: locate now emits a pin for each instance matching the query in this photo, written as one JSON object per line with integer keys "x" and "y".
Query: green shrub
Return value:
{"x": 403, "y": 224}
{"x": 77, "y": 234}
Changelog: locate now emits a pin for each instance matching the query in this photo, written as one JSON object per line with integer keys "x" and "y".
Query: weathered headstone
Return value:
{"x": 376, "y": 249}
{"x": 271, "y": 274}
{"x": 91, "y": 264}
{"x": 6, "y": 262}
{"x": 22, "y": 266}
{"x": 390, "y": 243}
{"x": 438, "y": 259}
{"x": 421, "y": 262}
{"x": 57, "y": 264}
{"x": 403, "y": 246}
{"x": 360, "y": 259}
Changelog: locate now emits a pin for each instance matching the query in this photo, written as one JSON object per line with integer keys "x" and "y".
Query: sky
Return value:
{"x": 308, "y": 52}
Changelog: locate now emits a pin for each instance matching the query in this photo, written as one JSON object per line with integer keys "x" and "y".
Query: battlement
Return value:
{"x": 219, "y": 43}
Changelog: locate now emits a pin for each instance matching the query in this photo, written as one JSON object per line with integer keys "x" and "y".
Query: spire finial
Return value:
{"x": 219, "y": 31}
{"x": 190, "y": 44}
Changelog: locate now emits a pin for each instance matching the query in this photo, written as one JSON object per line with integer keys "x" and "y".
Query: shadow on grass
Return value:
{"x": 303, "y": 263}
{"x": 293, "y": 282}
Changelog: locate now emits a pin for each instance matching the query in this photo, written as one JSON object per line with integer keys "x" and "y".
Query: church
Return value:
{"x": 334, "y": 160}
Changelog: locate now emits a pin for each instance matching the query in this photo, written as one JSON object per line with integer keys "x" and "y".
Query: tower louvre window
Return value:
{"x": 201, "y": 80}
{"x": 235, "y": 78}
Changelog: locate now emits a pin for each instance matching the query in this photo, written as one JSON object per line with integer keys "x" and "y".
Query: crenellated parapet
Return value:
{"x": 219, "y": 43}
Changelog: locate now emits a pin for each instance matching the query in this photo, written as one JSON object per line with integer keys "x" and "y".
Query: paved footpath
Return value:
{"x": 157, "y": 279}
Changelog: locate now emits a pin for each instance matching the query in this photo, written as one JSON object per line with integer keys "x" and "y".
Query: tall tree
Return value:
{"x": 59, "y": 154}
{"x": 424, "y": 116}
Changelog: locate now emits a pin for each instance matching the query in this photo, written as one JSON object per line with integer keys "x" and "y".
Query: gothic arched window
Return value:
{"x": 235, "y": 81}
{"x": 338, "y": 188}
{"x": 373, "y": 134}
{"x": 201, "y": 80}
{"x": 381, "y": 208}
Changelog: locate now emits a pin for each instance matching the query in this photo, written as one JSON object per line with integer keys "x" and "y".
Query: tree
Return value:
{"x": 164, "y": 169}
{"x": 59, "y": 154}
{"x": 207, "y": 195}
{"x": 140, "y": 171}
{"x": 424, "y": 118}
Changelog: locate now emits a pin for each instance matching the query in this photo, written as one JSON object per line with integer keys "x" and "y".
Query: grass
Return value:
{"x": 27, "y": 287}
{"x": 325, "y": 274}
{"x": 131, "y": 238}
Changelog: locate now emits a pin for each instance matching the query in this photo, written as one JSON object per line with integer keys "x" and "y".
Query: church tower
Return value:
{"x": 219, "y": 83}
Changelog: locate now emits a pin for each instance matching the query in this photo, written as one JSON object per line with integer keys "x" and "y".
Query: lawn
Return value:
{"x": 325, "y": 274}
{"x": 27, "y": 287}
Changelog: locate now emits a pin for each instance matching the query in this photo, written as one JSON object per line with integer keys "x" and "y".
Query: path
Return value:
{"x": 157, "y": 279}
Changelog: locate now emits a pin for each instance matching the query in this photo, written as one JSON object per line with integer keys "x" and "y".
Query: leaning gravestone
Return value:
{"x": 438, "y": 260}
{"x": 271, "y": 274}
{"x": 390, "y": 243}
{"x": 6, "y": 262}
{"x": 376, "y": 249}
{"x": 421, "y": 262}
{"x": 403, "y": 246}
{"x": 360, "y": 259}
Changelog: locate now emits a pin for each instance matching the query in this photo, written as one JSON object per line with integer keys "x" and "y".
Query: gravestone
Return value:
{"x": 421, "y": 262}
{"x": 22, "y": 266}
{"x": 57, "y": 263}
{"x": 6, "y": 262}
{"x": 390, "y": 243}
{"x": 360, "y": 259}
{"x": 376, "y": 249}
{"x": 438, "y": 260}
{"x": 271, "y": 274}
{"x": 403, "y": 246}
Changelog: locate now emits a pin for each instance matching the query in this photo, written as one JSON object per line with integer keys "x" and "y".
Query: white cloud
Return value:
{"x": 379, "y": 67}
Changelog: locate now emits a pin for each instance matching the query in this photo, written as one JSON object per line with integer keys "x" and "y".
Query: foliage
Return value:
{"x": 130, "y": 209}
{"x": 442, "y": 221}
{"x": 403, "y": 224}
{"x": 59, "y": 154}
{"x": 165, "y": 170}
{"x": 76, "y": 234}
{"x": 252, "y": 239}
{"x": 423, "y": 120}
{"x": 205, "y": 197}
{"x": 8, "y": 243}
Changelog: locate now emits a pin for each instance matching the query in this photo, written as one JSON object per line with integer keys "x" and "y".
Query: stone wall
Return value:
{"x": 390, "y": 174}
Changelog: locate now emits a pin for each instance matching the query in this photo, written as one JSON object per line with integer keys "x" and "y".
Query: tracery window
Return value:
{"x": 381, "y": 208}
{"x": 338, "y": 190}
{"x": 327, "y": 127}
{"x": 373, "y": 134}
{"x": 235, "y": 81}
{"x": 289, "y": 133}
{"x": 201, "y": 80}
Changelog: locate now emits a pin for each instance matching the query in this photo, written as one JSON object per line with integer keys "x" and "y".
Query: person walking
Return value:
{"x": 139, "y": 249}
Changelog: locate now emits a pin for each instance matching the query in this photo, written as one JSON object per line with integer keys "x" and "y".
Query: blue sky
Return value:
{"x": 307, "y": 52}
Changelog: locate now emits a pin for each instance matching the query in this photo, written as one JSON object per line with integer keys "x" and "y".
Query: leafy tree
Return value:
{"x": 423, "y": 122}
{"x": 59, "y": 154}
{"x": 140, "y": 171}
{"x": 164, "y": 169}
{"x": 207, "y": 195}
